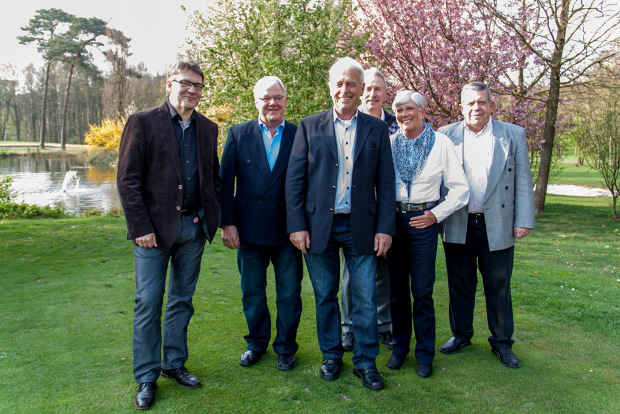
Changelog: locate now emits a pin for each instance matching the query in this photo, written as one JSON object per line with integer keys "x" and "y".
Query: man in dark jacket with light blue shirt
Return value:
{"x": 254, "y": 222}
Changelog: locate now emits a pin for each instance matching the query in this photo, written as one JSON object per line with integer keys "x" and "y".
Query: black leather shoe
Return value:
{"x": 425, "y": 370}
{"x": 395, "y": 362}
{"x": 453, "y": 344}
{"x": 347, "y": 341}
{"x": 286, "y": 362}
{"x": 387, "y": 339}
{"x": 330, "y": 370}
{"x": 249, "y": 358}
{"x": 507, "y": 357}
{"x": 182, "y": 376}
{"x": 370, "y": 378}
{"x": 145, "y": 396}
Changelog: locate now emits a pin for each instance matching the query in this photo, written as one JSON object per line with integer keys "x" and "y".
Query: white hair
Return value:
{"x": 406, "y": 96}
{"x": 342, "y": 64}
{"x": 370, "y": 74}
{"x": 265, "y": 83}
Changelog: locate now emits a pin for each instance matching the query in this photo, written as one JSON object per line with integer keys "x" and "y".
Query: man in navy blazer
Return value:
{"x": 340, "y": 194}
{"x": 482, "y": 234}
{"x": 169, "y": 186}
{"x": 254, "y": 222}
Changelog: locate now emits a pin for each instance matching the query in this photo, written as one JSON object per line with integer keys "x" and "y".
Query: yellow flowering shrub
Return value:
{"x": 106, "y": 135}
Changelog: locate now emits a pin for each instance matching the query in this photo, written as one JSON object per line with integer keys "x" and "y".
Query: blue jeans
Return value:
{"x": 151, "y": 267}
{"x": 253, "y": 261}
{"x": 324, "y": 271}
{"x": 412, "y": 259}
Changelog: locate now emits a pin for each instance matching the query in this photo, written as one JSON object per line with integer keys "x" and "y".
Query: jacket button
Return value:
{"x": 509, "y": 169}
{"x": 331, "y": 209}
{"x": 333, "y": 187}
{"x": 336, "y": 165}
{"x": 506, "y": 187}
{"x": 178, "y": 208}
{"x": 180, "y": 187}
{"x": 248, "y": 161}
{"x": 503, "y": 206}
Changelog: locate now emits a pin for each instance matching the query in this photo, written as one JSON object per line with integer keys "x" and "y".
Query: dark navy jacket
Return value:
{"x": 257, "y": 208}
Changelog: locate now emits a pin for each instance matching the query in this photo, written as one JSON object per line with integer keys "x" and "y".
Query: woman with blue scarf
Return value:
{"x": 424, "y": 160}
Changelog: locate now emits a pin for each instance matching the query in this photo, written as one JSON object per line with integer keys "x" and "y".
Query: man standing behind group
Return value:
{"x": 169, "y": 186}
{"x": 254, "y": 222}
{"x": 340, "y": 195}
{"x": 482, "y": 234}
{"x": 375, "y": 92}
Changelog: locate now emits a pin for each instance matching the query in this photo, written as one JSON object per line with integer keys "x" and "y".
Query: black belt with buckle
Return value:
{"x": 409, "y": 207}
{"x": 341, "y": 215}
{"x": 185, "y": 213}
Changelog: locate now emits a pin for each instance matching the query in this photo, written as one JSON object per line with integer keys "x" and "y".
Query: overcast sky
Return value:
{"x": 156, "y": 27}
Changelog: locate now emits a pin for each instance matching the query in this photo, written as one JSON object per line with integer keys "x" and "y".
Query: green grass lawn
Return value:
{"x": 67, "y": 290}
{"x": 570, "y": 173}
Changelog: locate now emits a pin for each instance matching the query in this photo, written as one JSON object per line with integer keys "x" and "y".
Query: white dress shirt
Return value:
{"x": 345, "y": 141}
{"x": 477, "y": 158}
{"x": 442, "y": 165}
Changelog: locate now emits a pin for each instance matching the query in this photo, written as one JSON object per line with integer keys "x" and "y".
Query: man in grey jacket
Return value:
{"x": 482, "y": 234}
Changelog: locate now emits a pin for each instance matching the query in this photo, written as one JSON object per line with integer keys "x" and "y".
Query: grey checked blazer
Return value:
{"x": 509, "y": 199}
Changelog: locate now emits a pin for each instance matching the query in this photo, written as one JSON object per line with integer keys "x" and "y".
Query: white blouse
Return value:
{"x": 442, "y": 166}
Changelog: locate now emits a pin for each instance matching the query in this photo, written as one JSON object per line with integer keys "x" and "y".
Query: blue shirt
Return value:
{"x": 272, "y": 144}
{"x": 346, "y": 131}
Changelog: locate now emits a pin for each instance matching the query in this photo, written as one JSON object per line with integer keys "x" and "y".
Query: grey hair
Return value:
{"x": 478, "y": 87}
{"x": 342, "y": 64}
{"x": 183, "y": 65}
{"x": 373, "y": 72}
{"x": 405, "y": 96}
{"x": 265, "y": 83}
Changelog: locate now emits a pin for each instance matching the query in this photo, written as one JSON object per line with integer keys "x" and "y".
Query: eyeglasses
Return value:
{"x": 267, "y": 99}
{"x": 185, "y": 84}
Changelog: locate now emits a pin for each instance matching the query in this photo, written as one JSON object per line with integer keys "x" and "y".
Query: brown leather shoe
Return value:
{"x": 182, "y": 376}
{"x": 145, "y": 396}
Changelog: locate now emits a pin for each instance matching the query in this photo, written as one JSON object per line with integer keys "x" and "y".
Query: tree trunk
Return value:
{"x": 63, "y": 127}
{"x": 551, "y": 118}
{"x": 44, "y": 111}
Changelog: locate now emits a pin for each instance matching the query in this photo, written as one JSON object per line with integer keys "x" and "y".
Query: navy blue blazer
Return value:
{"x": 257, "y": 208}
{"x": 313, "y": 173}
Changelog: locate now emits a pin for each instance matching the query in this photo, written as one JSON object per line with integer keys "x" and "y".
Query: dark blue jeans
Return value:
{"x": 253, "y": 261}
{"x": 495, "y": 267}
{"x": 324, "y": 271}
{"x": 412, "y": 259}
{"x": 151, "y": 267}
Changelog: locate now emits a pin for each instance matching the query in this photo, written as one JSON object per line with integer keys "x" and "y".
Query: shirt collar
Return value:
{"x": 263, "y": 127}
{"x": 337, "y": 118}
{"x": 487, "y": 128}
{"x": 174, "y": 113}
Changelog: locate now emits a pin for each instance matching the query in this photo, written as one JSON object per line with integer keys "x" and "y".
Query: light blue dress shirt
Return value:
{"x": 272, "y": 144}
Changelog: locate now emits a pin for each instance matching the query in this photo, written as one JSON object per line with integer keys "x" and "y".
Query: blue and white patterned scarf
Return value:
{"x": 410, "y": 154}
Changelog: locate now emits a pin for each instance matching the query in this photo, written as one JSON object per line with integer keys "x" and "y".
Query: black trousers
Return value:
{"x": 462, "y": 261}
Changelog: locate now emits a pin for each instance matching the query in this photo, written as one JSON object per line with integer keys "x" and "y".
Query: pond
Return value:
{"x": 40, "y": 181}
